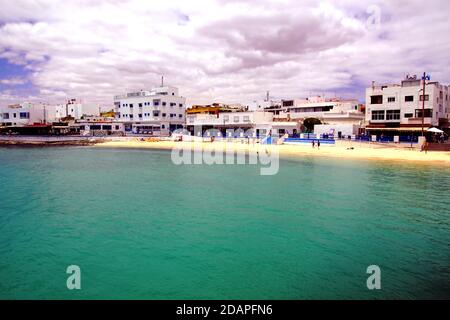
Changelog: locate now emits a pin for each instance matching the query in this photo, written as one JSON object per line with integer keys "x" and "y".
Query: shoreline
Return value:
{"x": 341, "y": 150}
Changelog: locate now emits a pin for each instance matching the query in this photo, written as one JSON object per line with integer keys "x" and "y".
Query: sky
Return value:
{"x": 217, "y": 50}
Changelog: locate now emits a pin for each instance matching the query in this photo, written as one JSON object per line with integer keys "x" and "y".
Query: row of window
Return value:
{"x": 155, "y": 103}
{"x": 236, "y": 118}
{"x": 378, "y": 99}
{"x": 155, "y": 114}
{"x": 22, "y": 115}
{"x": 395, "y": 114}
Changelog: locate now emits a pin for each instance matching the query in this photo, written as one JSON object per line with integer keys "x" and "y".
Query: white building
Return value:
{"x": 327, "y": 110}
{"x": 24, "y": 114}
{"x": 158, "y": 111}
{"x": 398, "y": 107}
{"x": 338, "y": 117}
{"x": 99, "y": 126}
{"x": 259, "y": 122}
{"x": 75, "y": 109}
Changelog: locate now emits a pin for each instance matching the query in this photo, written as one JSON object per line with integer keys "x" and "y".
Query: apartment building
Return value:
{"x": 397, "y": 108}
{"x": 158, "y": 111}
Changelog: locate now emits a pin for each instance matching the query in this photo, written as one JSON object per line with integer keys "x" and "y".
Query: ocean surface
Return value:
{"x": 140, "y": 227}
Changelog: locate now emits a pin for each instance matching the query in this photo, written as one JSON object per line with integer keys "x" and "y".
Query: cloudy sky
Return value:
{"x": 216, "y": 50}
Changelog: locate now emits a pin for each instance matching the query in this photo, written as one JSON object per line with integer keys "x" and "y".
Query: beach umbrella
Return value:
{"x": 435, "y": 130}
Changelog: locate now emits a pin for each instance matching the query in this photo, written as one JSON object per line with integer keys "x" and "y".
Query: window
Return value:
{"x": 226, "y": 118}
{"x": 140, "y": 105}
{"x": 180, "y": 116}
{"x": 140, "y": 115}
{"x": 246, "y": 119}
{"x": 377, "y": 114}
{"x": 376, "y": 99}
{"x": 236, "y": 119}
{"x": 427, "y": 97}
{"x": 164, "y": 115}
{"x": 106, "y": 127}
{"x": 408, "y": 115}
{"x": 391, "y": 99}
{"x": 409, "y": 98}
{"x": 131, "y": 105}
{"x": 181, "y": 105}
{"x": 427, "y": 114}
{"x": 163, "y": 126}
{"x": 156, "y": 102}
{"x": 172, "y": 104}
{"x": 164, "y": 103}
{"x": 14, "y": 115}
{"x": 156, "y": 113}
{"x": 288, "y": 103}
{"x": 24, "y": 115}
{"x": 392, "y": 114}
{"x": 6, "y": 116}
{"x": 117, "y": 127}
{"x": 131, "y": 116}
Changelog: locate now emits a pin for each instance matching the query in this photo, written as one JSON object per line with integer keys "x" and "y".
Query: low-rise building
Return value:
{"x": 338, "y": 117}
{"x": 27, "y": 113}
{"x": 259, "y": 122}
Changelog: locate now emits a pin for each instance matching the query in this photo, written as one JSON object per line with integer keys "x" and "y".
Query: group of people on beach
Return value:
{"x": 314, "y": 144}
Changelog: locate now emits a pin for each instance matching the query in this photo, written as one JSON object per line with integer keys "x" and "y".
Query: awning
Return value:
{"x": 435, "y": 130}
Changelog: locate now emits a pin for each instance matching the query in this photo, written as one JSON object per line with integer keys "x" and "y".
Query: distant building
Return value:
{"x": 214, "y": 108}
{"x": 160, "y": 110}
{"x": 25, "y": 114}
{"x": 397, "y": 108}
{"x": 73, "y": 108}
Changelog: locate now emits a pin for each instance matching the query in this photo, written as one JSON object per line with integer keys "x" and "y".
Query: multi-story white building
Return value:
{"x": 158, "y": 111}
{"x": 398, "y": 107}
{"x": 24, "y": 114}
{"x": 75, "y": 109}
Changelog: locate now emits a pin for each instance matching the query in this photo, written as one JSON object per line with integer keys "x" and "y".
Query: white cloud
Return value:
{"x": 221, "y": 50}
{"x": 13, "y": 81}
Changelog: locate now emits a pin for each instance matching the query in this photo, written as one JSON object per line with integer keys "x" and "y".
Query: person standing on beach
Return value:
{"x": 318, "y": 144}
{"x": 313, "y": 143}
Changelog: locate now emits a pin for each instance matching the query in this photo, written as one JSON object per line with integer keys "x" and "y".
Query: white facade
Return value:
{"x": 397, "y": 105}
{"x": 337, "y": 130}
{"x": 329, "y": 111}
{"x": 26, "y": 114}
{"x": 261, "y": 122}
{"x": 160, "y": 109}
{"x": 75, "y": 109}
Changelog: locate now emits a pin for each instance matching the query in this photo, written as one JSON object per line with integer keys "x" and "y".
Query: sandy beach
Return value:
{"x": 342, "y": 149}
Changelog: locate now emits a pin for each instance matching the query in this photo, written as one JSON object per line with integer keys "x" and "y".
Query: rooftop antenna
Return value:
{"x": 162, "y": 81}
{"x": 267, "y": 96}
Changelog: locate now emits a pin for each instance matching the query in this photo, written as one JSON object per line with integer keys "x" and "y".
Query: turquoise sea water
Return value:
{"x": 141, "y": 227}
